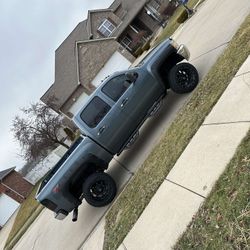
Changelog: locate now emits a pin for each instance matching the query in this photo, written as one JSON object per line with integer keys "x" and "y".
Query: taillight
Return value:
{"x": 56, "y": 189}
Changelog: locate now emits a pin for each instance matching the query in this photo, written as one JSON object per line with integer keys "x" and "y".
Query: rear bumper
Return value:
{"x": 61, "y": 214}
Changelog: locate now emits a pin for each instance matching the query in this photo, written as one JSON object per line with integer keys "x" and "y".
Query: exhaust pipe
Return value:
{"x": 75, "y": 214}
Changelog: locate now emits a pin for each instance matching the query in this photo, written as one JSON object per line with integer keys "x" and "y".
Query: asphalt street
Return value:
{"x": 206, "y": 35}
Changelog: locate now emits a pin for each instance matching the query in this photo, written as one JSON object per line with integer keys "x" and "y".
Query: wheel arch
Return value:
{"x": 91, "y": 164}
{"x": 167, "y": 65}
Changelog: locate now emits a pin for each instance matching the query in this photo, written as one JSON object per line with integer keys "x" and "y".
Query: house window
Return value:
{"x": 126, "y": 41}
{"x": 106, "y": 28}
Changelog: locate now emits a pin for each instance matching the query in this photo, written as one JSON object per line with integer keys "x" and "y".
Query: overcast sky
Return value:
{"x": 30, "y": 31}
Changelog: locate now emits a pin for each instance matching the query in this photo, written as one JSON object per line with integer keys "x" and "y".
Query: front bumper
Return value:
{"x": 183, "y": 51}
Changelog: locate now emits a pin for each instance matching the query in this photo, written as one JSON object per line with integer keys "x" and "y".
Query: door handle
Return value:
{"x": 101, "y": 130}
{"x": 124, "y": 102}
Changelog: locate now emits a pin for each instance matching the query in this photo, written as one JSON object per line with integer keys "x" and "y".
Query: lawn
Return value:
{"x": 27, "y": 213}
{"x": 138, "y": 193}
{"x": 223, "y": 222}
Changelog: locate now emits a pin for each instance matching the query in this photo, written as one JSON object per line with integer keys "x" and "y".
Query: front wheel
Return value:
{"x": 99, "y": 189}
{"x": 183, "y": 78}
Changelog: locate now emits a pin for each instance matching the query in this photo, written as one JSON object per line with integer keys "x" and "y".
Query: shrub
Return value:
{"x": 182, "y": 17}
{"x": 146, "y": 46}
{"x": 69, "y": 133}
{"x": 138, "y": 52}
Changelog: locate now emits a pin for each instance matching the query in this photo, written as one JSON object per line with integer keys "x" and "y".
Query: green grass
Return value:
{"x": 173, "y": 24}
{"x": 223, "y": 222}
{"x": 135, "y": 197}
{"x": 27, "y": 213}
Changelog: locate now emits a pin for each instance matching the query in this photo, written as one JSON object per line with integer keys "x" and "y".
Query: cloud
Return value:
{"x": 31, "y": 30}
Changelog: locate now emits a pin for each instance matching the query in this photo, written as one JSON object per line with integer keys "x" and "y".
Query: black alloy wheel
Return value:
{"x": 99, "y": 189}
{"x": 183, "y": 78}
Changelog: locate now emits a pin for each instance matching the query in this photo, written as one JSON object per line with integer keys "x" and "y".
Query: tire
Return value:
{"x": 183, "y": 78}
{"x": 99, "y": 189}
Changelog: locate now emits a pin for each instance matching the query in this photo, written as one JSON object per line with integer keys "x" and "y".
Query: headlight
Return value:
{"x": 174, "y": 44}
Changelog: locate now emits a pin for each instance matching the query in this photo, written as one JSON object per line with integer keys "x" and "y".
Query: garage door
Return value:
{"x": 116, "y": 62}
{"x": 7, "y": 207}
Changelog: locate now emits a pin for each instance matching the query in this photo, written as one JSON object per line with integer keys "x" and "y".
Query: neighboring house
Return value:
{"x": 13, "y": 190}
{"x": 107, "y": 41}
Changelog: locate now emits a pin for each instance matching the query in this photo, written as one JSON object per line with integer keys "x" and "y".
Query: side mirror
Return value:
{"x": 131, "y": 76}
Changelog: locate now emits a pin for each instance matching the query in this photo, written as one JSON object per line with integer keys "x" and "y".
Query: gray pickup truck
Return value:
{"x": 109, "y": 123}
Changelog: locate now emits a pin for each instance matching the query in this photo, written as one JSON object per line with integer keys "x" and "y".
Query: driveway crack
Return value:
{"x": 209, "y": 51}
{"x": 223, "y": 123}
{"x": 186, "y": 188}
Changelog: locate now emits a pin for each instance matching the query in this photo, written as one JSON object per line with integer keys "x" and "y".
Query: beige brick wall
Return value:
{"x": 98, "y": 18}
{"x": 148, "y": 21}
{"x": 93, "y": 59}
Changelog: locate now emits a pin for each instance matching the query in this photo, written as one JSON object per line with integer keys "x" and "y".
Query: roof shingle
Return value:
{"x": 5, "y": 172}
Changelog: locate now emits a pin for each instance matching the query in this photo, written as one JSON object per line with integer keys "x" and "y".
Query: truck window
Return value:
{"x": 116, "y": 87}
{"x": 95, "y": 112}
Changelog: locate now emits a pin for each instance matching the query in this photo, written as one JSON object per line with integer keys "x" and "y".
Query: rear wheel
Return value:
{"x": 99, "y": 189}
{"x": 183, "y": 78}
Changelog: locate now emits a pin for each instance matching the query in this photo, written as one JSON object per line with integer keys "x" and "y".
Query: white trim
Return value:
{"x": 12, "y": 190}
{"x": 77, "y": 57}
{"x": 134, "y": 29}
{"x": 77, "y": 64}
{"x": 95, "y": 40}
{"x": 101, "y": 10}
{"x": 106, "y": 27}
{"x": 126, "y": 45}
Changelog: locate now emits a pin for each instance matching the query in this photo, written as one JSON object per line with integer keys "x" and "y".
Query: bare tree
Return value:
{"x": 37, "y": 131}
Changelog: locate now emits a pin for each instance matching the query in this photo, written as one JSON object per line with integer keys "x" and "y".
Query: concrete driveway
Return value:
{"x": 4, "y": 232}
{"x": 206, "y": 34}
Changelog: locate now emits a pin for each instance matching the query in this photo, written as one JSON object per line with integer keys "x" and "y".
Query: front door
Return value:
{"x": 137, "y": 97}
{"x": 132, "y": 100}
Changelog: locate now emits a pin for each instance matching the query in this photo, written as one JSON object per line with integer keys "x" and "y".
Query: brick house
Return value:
{"x": 14, "y": 185}
{"x": 13, "y": 190}
{"x": 107, "y": 41}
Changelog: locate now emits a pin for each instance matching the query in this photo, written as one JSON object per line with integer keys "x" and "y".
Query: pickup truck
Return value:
{"x": 109, "y": 123}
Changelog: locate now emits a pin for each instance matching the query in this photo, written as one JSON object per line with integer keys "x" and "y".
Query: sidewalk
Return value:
{"x": 192, "y": 178}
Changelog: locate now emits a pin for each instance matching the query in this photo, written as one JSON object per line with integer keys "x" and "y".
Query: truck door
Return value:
{"x": 134, "y": 99}
{"x": 105, "y": 123}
